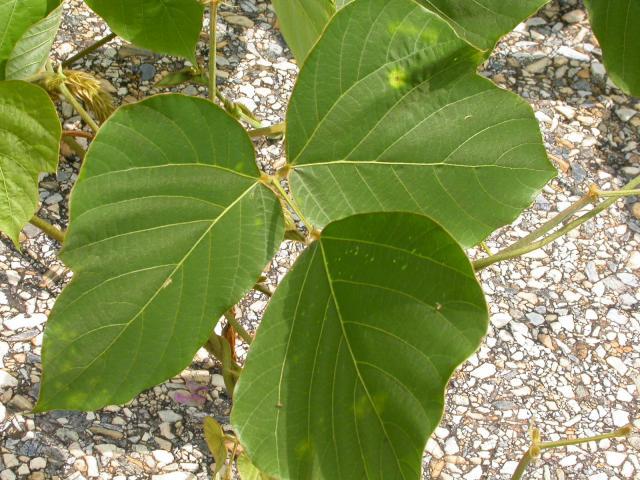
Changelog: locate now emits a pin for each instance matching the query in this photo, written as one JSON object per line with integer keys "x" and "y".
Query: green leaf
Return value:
{"x": 346, "y": 376}
{"x": 16, "y": 16}
{"x": 614, "y": 24}
{"x": 170, "y": 226}
{"x": 29, "y": 144}
{"x": 483, "y": 22}
{"x": 214, "y": 436}
{"x": 409, "y": 127}
{"x": 167, "y": 26}
{"x": 32, "y": 50}
{"x": 248, "y": 471}
{"x": 302, "y": 22}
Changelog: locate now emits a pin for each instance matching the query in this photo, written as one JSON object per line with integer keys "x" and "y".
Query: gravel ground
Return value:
{"x": 563, "y": 349}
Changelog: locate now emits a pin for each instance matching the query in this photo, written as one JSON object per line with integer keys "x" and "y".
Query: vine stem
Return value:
{"x": 536, "y": 448}
{"x": 275, "y": 182}
{"x": 522, "y": 247}
{"x": 213, "y": 21}
{"x": 62, "y": 88}
{"x": 91, "y": 48}
{"x": 270, "y": 131}
{"x": 233, "y": 321}
{"x": 75, "y": 146}
{"x": 47, "y": 228}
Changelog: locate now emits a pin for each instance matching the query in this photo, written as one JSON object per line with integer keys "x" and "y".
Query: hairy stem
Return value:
{"x": 75, "y": 146}
{"x": 518, "y": 250}
{"x": 78, "y": 133}
{"x": 213, "y": 21}
{"x": 537, "y": 447}
{"x": 275, "y": 182}
{"x": 619, "y": 193}
{"x": 524, "y": 462}
{"x": 233, "y": 321}
{"x": 47, "y": 228}
{"x": 62, "y": 88}
{"x": 91, "y": 48}
{"x": 270, "y": 131}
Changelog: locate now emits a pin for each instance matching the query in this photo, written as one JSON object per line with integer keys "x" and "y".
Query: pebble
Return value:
{"x": 174, "y": 476}
{"x": 163, "y": 456}
{"x": 500, "y": 320}
{"x": 147, "y": 72}
{"x": 574, "y": 16}
{"x": 572, "y": 54}
{"x": 169, "y": 416}
{"x": 7, "y": 380}
{"x": 37, "y": 463}
{"x": 484, "y": 371}
{"x": 25, "y": 321}
{"x": 625, "y": 114}
{"x": 618, "y": 365}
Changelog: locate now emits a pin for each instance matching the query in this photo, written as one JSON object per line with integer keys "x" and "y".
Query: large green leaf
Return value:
{"x": 166, "y": 26}
{"x": 346, "y": 376}
{"x": 410, "y": 126}
{"x": 170, "y": 226}
{"x": 614, "y": 23}
{"x": 32, "y": 49}
{"x": 483, "y": 22}
{"x": 302, "y": 22}
{"x": 29, "y": 144}
{"x": 16, "y": 16}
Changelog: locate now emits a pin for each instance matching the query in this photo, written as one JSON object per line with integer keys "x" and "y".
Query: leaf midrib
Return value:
{"x": 157, "y": 292}
{"x": 355, "y": 362}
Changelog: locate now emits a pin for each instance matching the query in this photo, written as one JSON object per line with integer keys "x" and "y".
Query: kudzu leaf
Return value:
{"x": 170, "y": 226}
{"x": 29, "y": 144}
{"x": 614, "y": 24}
{"x": 214, "y": 436}
{"x": 32, "y": 50}
{"x": 483, "y": 22}
{"x": 409, "y": 127}
{"x": 302, "y": 22}
{"x": 168, "y": 26}
{"x": 346, "y": 376}
{"x": 16, "y": 16}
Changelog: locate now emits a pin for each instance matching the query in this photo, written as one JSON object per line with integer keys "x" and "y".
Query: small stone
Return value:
{"x": 106, "y": 432}
{"x": 633, "y": 263}
{"x": 239, "y": 20}
{"x": 635, "y": 209}
{"x": 7, "y": 381}
{"x": 618, "y": 365}
{"x": 615, "y": 459}
{"x": 53, "y": 199}
{"x": 108, "y": 450}
{"x": 451, "y": 446}
{"x": 13, "y": 277}
{"x": 500, "y": 320}
{"x": 598, "y": 71}
{"x": 484, "y": 371}
{"x": 37, "y": 463}
{"x": 21, "y": 403}
{"x": 625, "y": 114}
{"x": 572, "y": 54}
{"x": 169, "y": 416}
{"x": 574, "y": 16}
{"x": 535, "y": 318}
{"x": 7, "y": 475}
{"x": 566, "y": 322}
{"x": 539, "y": 65}
{"x": 475, "y": 474}
{"x": 3, "y": 412}
{"x": 92, "y": 466}
{"x": 162, "y": 456}
{"x": 24, "y": 321}
{"x": 217, "y": 380}
{"x": 620, "y": 418}
{"x": 566, "y": 111}
{"x": 147, "y": 72}
{"x": 174, "y": 476}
